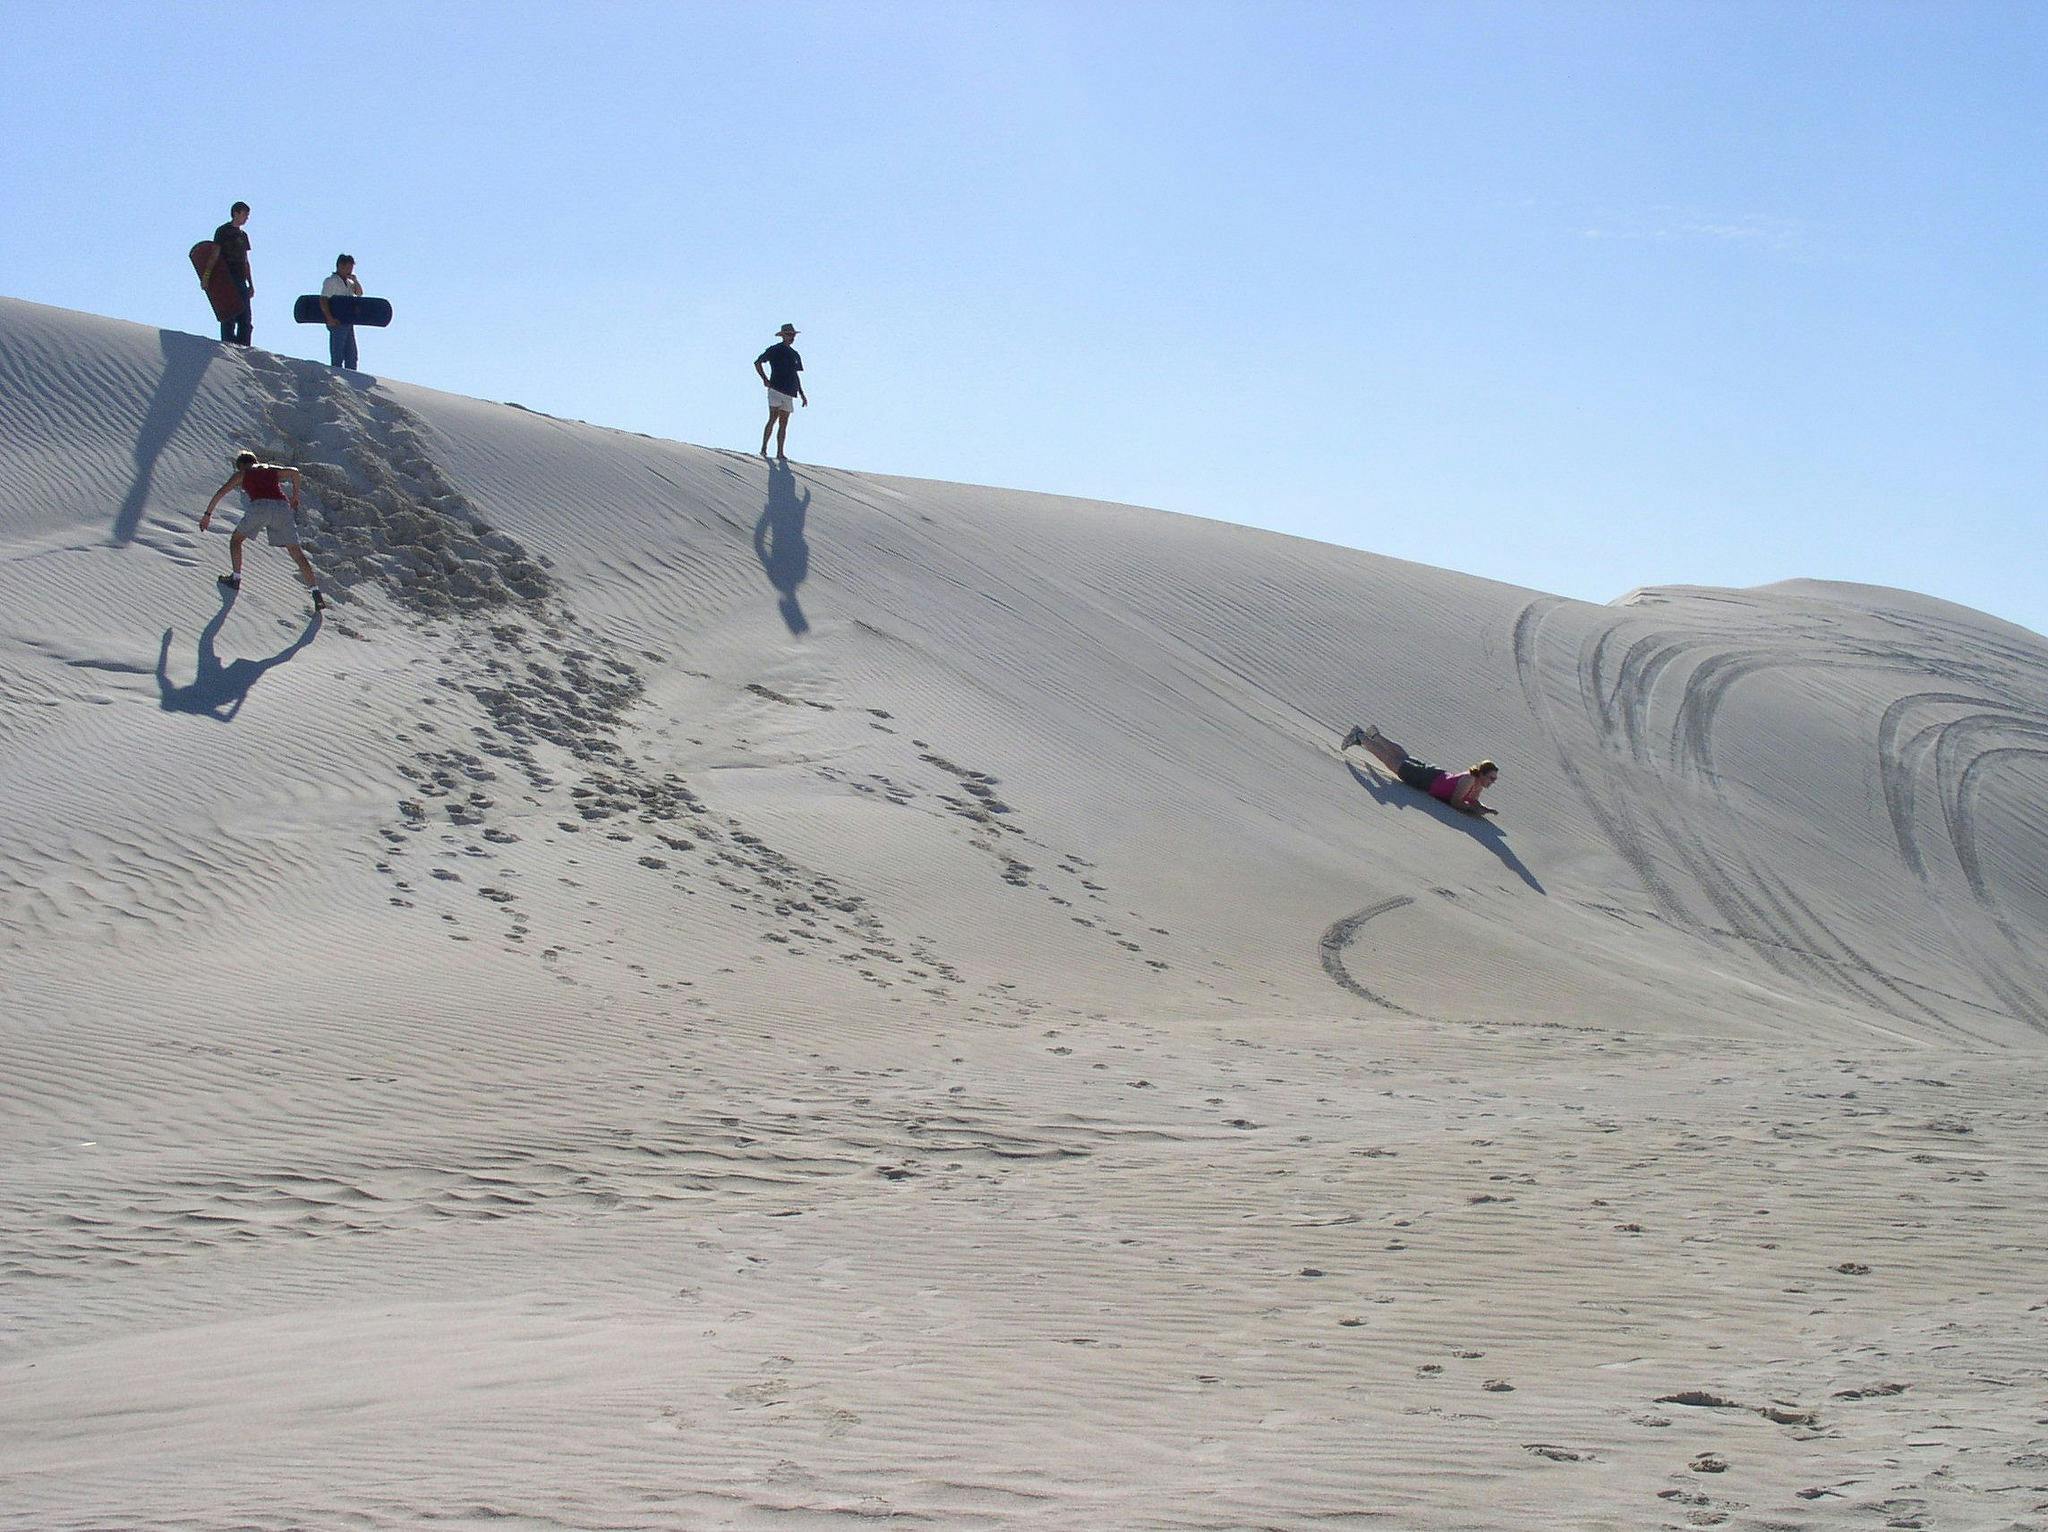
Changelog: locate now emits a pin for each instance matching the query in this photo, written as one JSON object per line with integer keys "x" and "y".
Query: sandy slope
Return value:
{"x": 712, "y": 995}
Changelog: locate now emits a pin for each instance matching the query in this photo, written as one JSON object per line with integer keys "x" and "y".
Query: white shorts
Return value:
{"x": 778, "y": 400}
{"x": 272, "y": 516}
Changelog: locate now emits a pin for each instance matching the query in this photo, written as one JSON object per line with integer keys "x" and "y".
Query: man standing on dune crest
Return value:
{"x": 341, "y": 338}
{"x": 783, "y": 375}
{"x": 231, "y": 250}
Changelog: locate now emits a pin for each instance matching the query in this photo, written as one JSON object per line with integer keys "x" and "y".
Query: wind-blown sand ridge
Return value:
{"x": 708, "y": 993}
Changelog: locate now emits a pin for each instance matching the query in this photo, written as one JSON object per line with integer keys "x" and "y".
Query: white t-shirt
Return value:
{"x": 336, "y": 286}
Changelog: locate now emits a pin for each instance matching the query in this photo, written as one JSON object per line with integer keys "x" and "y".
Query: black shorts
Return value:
{"x": 1417, "y": 774}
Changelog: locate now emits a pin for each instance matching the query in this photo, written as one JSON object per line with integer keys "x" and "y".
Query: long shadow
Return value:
{"x": 218, "y": 691}
{"x": 185, "y": 361}
{"x": 1485, "y": 831}
{"x": 779, "y": 542}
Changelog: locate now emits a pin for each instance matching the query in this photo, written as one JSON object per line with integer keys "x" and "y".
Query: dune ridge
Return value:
{"x": 714, "y": 993}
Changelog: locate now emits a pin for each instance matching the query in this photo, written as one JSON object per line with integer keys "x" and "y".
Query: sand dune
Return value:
{"x": 714, "y": 994}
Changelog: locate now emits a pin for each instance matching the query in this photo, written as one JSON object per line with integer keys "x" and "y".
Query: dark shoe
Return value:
{"x": 319, "y": 602}
{"x": 229, "y": 581}
{"x": 1355, "y": 737}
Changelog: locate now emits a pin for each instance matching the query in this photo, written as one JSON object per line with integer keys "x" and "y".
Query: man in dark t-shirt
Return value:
{"x": 781, "y": 369}
{"x": 231, "y": 250}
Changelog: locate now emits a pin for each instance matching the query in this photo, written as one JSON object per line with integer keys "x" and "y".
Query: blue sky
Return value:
{"x": 1576, "y": 296}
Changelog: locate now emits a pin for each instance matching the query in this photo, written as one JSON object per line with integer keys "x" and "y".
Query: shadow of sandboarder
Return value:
{"x": 218, "y": 691}
{"x": 1485, "y": 831}
{"x": 185, "y": 362}
{"x": 779, "y": 542}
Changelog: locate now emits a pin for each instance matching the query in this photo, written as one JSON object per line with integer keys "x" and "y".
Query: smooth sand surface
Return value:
{"x": 709, "y": 993}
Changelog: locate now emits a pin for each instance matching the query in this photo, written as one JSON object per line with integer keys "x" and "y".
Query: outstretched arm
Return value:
{"x": 1466, "y": 799}
{"x": 218, "y": 496}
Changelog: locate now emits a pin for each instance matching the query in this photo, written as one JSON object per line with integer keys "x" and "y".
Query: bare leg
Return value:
{"x": 305, "y": 565}
{"x": 1384, "y": 750}
{"x": 767, "y": 431}
{"x": 781, "y": 432}
{"x": 235, "y": 553}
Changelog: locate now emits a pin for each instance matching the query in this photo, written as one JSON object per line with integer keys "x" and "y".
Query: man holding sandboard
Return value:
{"x": 341, "y": 337}
{"x": 223, "y": 266}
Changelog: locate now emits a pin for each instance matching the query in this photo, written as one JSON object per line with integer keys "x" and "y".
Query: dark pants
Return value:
{"x": 341, "y": 346}
{"x": 1419, "y": 775}
{"x": 235, "y": 331}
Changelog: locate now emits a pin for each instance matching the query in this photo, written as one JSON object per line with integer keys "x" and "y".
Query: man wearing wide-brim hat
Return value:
{"x": 781, "y": 370}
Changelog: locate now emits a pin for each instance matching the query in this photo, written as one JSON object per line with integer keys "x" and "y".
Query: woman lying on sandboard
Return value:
{"x": 1460, "y": 789}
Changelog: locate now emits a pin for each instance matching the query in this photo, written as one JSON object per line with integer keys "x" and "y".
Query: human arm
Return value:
{"x": 290, "y": 476}
{"x": 1466, "y": 798}
{"x": 218, "y": 495}
{"x": 760, "y": 371}
{"x": 337, "y": 286}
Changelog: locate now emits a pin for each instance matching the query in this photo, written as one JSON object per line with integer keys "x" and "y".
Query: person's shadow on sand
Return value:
{"x": 1485, "y": 831}
{"x": 779, "y": 542}
{"x": 218, "y": 691}
{"x": 185, "y": 362}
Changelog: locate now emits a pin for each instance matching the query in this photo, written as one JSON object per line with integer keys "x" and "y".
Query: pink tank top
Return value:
{"x": 1447, "y": 784}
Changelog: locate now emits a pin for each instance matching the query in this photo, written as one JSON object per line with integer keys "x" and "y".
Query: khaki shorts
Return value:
{"x": 272, "y": 516}
{"x": 780, "y": 402}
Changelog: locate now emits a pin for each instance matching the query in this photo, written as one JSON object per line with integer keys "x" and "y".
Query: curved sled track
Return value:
{"x": 1649, "y": 690}
{"x": 1339, "y": 936}
{"x": 1955, "y": 753}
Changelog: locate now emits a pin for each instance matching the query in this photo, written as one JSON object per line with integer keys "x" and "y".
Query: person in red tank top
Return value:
{"x": 262, "y": 482}
{"x": 271, "y": 495}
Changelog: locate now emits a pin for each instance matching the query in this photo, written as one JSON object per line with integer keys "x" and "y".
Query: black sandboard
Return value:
{"x": 375, "y": 312}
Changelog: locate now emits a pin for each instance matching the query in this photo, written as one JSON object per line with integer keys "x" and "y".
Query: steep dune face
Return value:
{"x": 1813, "y": 770}
{"x": 727, "y": 961}
{"x": 1776, "y": 791}
{"x": 1807, "y": 809}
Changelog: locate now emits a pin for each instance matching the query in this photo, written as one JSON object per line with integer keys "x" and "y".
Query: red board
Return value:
{"x": 222, "y": 291}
